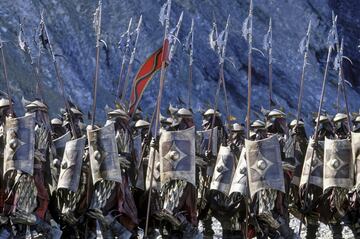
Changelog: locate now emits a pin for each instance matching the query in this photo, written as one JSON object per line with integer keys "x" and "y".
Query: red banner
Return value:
{"x": 145, "y": 75}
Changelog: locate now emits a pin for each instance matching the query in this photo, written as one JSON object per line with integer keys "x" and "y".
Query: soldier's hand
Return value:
{"x": 208, "y": 154}
{"x": 233, "y": 147}
{"x": 154, "y": 143}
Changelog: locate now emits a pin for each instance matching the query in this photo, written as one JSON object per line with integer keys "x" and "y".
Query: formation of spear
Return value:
{"x": 218, "y": 42}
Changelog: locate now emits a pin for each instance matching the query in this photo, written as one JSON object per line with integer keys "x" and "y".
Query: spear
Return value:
{"x": 247, "y": 34}
{"x": 268, "y": 47}
{"x": 131, "y": 61}
{"x": 6, "y": 77}
{"x": 304, "y": 49}
{"x": 125, "y": 52}
{"x": 331, "y": 41}
{"x": 27, "y": 52}
{"x": 165, "y": 20}
{"x": 46, "y": 43}
{"x": 340, "y": 57}
{"x": 97, "y": 27}
{"x": 189, "y": 45}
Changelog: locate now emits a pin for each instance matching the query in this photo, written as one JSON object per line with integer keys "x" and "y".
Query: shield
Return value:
{"x": 355, "y": 145}
{"x": 338, "y": 164}
{"x": 71, "y": 164}
{"x": 264, "y": 165}
{"x": 20, "y": 144}
{"x": 202, "y": 142}
{"x": 138, "y": 150}
{"x": 239, "y": 182}
{"x": 60, "y": 143}
{"x": 224, "y": 170}
{"x": 153, "y": 155}
{"x": 177, "y": 156}
{"x": 103, "y": 152}
{"x": 316, "y": 175}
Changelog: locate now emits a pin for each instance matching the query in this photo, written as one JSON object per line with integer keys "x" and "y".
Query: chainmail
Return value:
{"x": 172, "y": 192}
{"x": 102, "y": 193}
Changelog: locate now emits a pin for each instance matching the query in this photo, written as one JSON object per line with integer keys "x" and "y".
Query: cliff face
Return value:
{"x": 70, "y": 28}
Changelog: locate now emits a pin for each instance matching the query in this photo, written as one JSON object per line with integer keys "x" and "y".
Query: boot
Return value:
{"x": 284, "y": 230}
{"x": 207, "y": 224}
{"x": 311, "y": 230}
{"x": 336, "y": 230}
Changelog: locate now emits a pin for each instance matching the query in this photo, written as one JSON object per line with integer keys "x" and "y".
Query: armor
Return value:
{"x": 338, "y": 164}
{"x": 264, "y": 165}
{"x": 71, "y": 164}
{"x": 316, "y": 177}
{"x": 20, "y": 144}
{"x": 355, "y": 143}
{"x": 103, "y": 152}
{"x": 177, "y": 155}
{"x": 239, "y": 182}
{"x": 202, "y": 141}
{"x": 60, "y": 143}
{"x": 137, "y": 150}
{"x": 224, "y": 170}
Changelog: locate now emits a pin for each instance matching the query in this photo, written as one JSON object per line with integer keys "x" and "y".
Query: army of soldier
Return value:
{"x": 62, "y": 179}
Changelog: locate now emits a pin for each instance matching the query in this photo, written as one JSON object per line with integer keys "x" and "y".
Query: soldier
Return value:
{"x": 57, "y": 128}
{"x": 276, "y": 216}
{"x": 112, "y": 205}
{"x": 177, "y": 170}
{"x": 296, "y": 146}
{"x": 312, "y": 185}
{"x": 72, "y": 199}
{"x": 338, "y": 174}
{"x": 237, "y": 138}
{"x": 205, "y": 166}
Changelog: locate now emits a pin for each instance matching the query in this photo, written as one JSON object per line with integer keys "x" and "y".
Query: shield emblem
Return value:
{"x": 177, "y": 156}
{"x": 138, "y": 150}
{"x": 202, "y": 142}
{"x": 338, "y": 164}
{"x": 316, "y": 176}
{"x": 264, "y": 165}
{"x": 71, "y": 164}
{"x": 103, "y": 152}
{"x": 355, "y": 143}
{"x": 153, "y": 155}
{"x": 20, "y": 144}
{"x": 60, "y": 143}
{"x": 224, "y": 170}
{"x": 239, "y": 182}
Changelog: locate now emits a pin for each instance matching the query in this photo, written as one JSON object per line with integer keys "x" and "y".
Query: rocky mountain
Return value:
{"x": 72, "y": 35}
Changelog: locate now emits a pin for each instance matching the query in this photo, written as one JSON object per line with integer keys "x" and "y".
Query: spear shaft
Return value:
{"x": 157, "y": 115}
{"x": 191, "y": 62}
{"x": 316, "y": 131}
{"x": 58, "y": 77}
{"x": 98, "y": 32}
{"x": 119, "y": 92}
{"x": 301, "y": 90}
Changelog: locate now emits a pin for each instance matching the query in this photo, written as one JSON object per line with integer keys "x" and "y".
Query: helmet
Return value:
{"x": 56, "y": 121}
{"x": 118, "y": 113}
{"x": 211, "y": 112}
{"x": 76, "y": 111}
{"x": 323, "y": 118}
{"x": 258, "y": 124}
{"x": 184, "y": 113}
{"x": 275, "y": 113}
{"x": 36, "y": 105}
{"x": 293, "y": 123}
{"x": 237, "y": 128}
{"x": 141, "y": 124}
{"x": 4, "y": 102}
{"x": 340, "y": 117}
